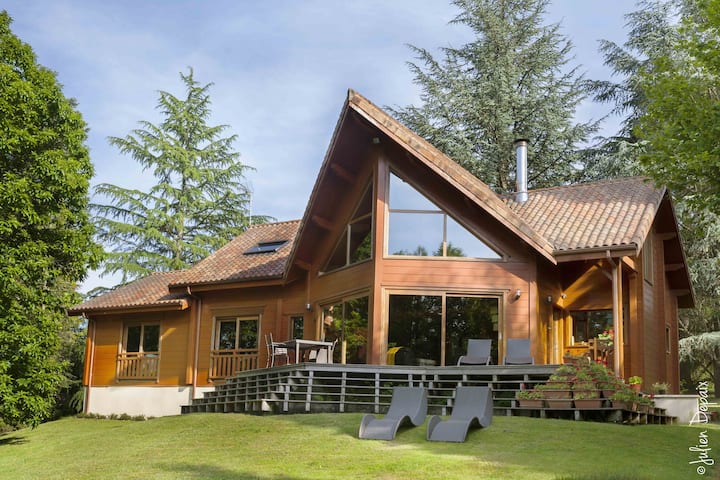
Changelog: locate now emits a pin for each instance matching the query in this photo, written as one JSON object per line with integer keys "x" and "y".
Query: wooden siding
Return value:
{"x": 107, "y": 336}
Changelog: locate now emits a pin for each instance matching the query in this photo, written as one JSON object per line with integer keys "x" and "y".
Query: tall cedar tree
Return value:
{"x": 45, "y": 232}
{"x": 652, "y": 33}
{"x": 681, "y": 125}
{"x": 200, "y": 200}
{"x": 510, "y": 82}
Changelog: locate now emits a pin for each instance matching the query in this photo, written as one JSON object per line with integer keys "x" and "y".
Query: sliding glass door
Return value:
{"x": 347, "y": 322}
{"x": 435, "y": 328}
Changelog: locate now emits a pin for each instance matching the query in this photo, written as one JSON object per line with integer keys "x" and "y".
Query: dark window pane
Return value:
{"x": 298, "y": 327}
{"x": 248, "y": 333}
{"x": 589, "y": 324}
{"x": 266, "y": 247}
{"x": 360, "y": 245}
{"x": 151, "y": 338}
{"x": 133, "y": 338}
{"x": 339, "y": 256}
{"x": 226, "y": 335}
{"x": 470, "y": 317}
{"x": 415, "y": 323}
{"x": 356, "y": 330}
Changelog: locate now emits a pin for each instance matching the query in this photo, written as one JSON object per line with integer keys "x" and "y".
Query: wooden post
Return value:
{"x": 617, "y": 296}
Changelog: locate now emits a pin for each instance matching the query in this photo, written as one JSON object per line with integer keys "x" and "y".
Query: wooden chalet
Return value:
{"x": 402, "y": 256}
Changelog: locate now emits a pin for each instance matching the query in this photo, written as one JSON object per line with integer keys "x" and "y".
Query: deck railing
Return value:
{"x": 226, "y": 363}
{"x": 312, "y": 387}
{"x": 138, "y": 365}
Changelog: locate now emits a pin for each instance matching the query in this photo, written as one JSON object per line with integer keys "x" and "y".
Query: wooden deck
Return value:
{"x": 312, "y": 388}
{"x": 316, "y": 388}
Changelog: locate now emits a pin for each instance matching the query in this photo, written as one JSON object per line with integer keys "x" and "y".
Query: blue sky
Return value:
{"x": 280, "y": 69}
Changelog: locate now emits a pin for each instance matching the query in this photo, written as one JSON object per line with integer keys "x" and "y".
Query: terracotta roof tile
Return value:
{"x": 230, "y": 263}
{"x": 610, "y": 213}
{"x": 150, "y": 291}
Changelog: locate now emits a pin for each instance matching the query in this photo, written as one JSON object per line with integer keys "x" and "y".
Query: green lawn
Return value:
{"x": 285, "y": 447}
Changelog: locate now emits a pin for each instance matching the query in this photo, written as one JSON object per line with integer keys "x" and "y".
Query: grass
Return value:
{"x": 318, "y": 446}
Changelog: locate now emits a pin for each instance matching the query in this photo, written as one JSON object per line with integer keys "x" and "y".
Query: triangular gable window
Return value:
{"x": 355, "y": 243}
{"x": 418, "y": 227}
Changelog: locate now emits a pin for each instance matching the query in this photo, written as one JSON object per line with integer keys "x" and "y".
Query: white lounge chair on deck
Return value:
{"x": 408, "y": 405}
{"x": 473, "y": 407}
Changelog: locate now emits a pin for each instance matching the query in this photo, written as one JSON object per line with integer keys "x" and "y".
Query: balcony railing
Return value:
{"x": 138, "y": 365}
{"x": 225, "y": 363}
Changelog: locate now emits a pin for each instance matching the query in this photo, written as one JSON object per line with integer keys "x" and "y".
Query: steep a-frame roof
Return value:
{"x": 359, "y": 113}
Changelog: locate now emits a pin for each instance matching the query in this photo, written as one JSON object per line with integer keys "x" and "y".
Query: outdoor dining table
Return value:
{"x": 299, "y": 344}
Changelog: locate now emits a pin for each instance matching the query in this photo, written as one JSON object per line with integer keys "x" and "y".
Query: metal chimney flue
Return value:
{"x": 521, "y": 178}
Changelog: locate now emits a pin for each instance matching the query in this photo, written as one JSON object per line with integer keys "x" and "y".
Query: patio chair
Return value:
{"x": 275, "y": 349}
{"x": 473, "y": 407}
{"x": 518, "y": 352}
{"x": 478, "y": 352}
{"x": 325, "y": 355}
{"x": 408, "y": 405}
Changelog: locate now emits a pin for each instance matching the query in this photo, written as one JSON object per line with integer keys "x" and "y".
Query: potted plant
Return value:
{"x": 557, "y": 395}
{"x": 660, "y": 388}
{"x": 605, "y": 339}
{"x": 570, "y": 359}
{"x": 635, "y": 382}
{"x": 624, "y": 399}
{"x": 530, "y": 398}
{"x": 587, "y": 399}
{"x": 646, "y": 404}
{"x": 556, "y": 390}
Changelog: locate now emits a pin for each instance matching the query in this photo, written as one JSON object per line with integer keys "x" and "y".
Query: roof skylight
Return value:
{"x": 266, "y": 247}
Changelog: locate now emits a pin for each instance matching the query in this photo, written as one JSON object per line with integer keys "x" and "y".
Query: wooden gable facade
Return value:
{"x": 402, "y": 256}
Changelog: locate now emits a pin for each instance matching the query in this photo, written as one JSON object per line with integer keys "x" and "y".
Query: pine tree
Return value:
{"x": 200, "y": 200}
{"x": 652, "y": 33}
{"x": 45, "y": 232}
{"x": 511, "y": 81}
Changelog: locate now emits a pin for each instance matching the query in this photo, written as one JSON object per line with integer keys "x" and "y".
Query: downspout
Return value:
{"x": 196, "y": 353}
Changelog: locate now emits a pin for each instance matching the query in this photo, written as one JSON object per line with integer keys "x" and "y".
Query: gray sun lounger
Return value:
{"x": 478, "y": 352}
{"x": 518, "y": 352}
{"x": 473, "y": 407}
{"x": 408, "y": 405}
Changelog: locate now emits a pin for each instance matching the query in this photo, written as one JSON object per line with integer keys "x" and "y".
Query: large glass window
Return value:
{"x": 435, "y": 329}
{"x": 235, "y": 346}
{"x": 142, "y": 338}
{"x": 236, "y": 333}
{"x": 139, "y": 358}
{"x": 418, "y": 227}
{"x": 355, "y": 244}
{"x": 347, "y": 322}
{"x": 589, "y": 324}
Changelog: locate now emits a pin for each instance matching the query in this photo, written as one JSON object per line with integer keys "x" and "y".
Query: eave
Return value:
{"x": 123, "y": 309}
{"x": 228, "y": 285}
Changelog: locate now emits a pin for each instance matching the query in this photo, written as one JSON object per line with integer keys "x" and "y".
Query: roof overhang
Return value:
{"x": 178, "y": 305}
{"x": 227, "y": 285}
